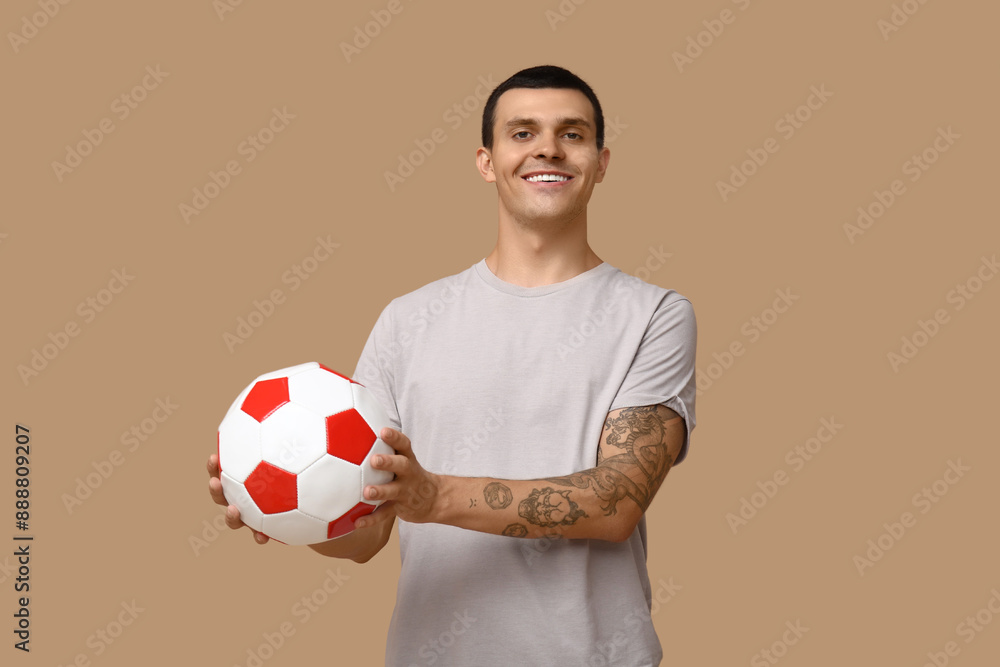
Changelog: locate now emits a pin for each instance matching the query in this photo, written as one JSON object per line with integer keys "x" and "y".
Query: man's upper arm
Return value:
{"x": 640, "y": 443}
{"x": 663, "y": 369}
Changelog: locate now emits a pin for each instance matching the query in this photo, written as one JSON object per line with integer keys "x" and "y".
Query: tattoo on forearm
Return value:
{"x": 640, "y": 432}
{"x": 515, "y": 530}
{"x": 549, "y": 508}
{"x": 498, "y": 496}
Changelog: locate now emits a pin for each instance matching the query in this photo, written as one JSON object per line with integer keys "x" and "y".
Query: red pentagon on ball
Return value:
{"x": 273, "y": 489}
{"x": 345, "y": 524}
{"x": 266, "y": 397}
{"x": 354, "y": 437}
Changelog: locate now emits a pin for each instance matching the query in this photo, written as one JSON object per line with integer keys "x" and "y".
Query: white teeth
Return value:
{"x": 547, "y": 178}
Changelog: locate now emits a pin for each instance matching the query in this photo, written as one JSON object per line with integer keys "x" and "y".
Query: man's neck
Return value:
{"x": 533, "y": 267}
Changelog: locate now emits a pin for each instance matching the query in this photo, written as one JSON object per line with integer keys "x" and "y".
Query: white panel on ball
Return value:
{"x": 288, "y": 372}
{"x": 329, "y": 487}
{"x": 238, "y": 403}
{"x": 236, "y": 494}
{"x": 370, "y": 475}
{"x": 321, "y": 391}
{"x": 292, "y": 438}
{"x": 239, "y": 445}
{"x": 294, "y": 527}
{"x": 373, "y": 413}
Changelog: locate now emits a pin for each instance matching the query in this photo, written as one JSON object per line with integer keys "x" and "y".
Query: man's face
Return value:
{"x": 543, "y": 134}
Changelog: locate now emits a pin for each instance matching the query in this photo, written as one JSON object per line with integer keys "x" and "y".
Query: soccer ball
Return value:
{"x": 295, "y": 450}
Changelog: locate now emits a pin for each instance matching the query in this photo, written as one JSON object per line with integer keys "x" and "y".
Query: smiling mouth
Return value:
{"x": 554, "y": 179}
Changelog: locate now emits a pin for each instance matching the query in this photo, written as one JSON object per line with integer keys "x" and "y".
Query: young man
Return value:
{"x": 554, "y": 390}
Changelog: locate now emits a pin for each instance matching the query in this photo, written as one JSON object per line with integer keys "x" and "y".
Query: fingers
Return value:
{"x": 396, "y": 439}
{"x": 232, "y": 512}
{"x": 215, "y": 490}
{"x": 388, "y": 491}
{"x": 233, "y": 519}
{"x": 213, "y": 466}
{"x": 383, "y": 513}
{"x": 397, "y": 464}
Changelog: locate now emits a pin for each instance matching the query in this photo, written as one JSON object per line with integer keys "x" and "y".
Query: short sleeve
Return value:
{"x": 663, "y": 369}
{"x": 375, "y": 369}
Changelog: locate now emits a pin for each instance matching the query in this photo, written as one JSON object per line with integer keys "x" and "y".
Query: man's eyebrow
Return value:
{"x": 533, "y": 122}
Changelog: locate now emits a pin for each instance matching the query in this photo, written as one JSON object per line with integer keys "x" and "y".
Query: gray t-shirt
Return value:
{"x": 493, "y": 379}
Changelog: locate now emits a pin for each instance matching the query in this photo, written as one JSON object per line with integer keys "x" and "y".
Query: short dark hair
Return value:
{"x": 543, "y": 76}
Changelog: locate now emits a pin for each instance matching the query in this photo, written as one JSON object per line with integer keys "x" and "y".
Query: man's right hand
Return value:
{"x": 232, "y": 511}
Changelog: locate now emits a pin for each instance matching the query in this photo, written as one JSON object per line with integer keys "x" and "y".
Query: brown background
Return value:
{"x": 135, "y": 537}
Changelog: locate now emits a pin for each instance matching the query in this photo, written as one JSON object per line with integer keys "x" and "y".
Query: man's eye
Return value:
{"x": 574, "y": 135}
{"x": 517, "y": 135}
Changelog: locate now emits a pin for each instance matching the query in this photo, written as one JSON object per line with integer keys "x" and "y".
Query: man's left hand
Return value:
{"x": 414, "y": 494}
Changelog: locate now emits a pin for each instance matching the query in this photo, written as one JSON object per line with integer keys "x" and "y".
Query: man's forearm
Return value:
{"x": 638, "y": 447}
{"x": 360, "y": 545}
{"x": 599, "y": 503}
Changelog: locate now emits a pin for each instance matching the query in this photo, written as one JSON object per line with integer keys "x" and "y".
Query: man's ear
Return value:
{"x": 602, "y": 163}
{"x": 484, "y": 162}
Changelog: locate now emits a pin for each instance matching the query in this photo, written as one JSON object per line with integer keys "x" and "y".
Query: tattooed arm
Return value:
{"x": 637, "y": 448}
